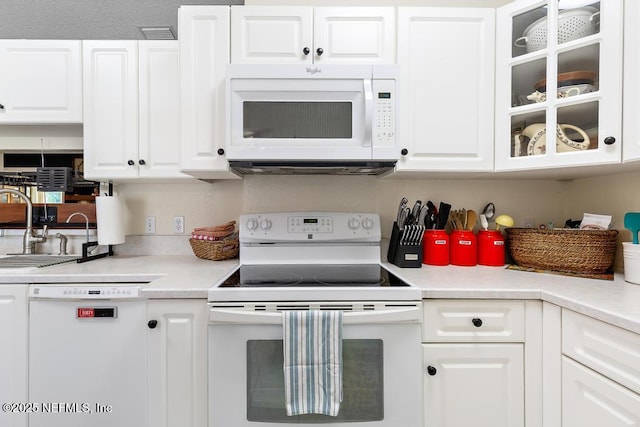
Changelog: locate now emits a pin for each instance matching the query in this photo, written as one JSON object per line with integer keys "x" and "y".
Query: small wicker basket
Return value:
{"x": 563, "y": 250}
{"x": 216, "y": 250}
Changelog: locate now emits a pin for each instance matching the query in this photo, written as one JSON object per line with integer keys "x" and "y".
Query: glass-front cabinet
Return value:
{"x": 558, "y": 84}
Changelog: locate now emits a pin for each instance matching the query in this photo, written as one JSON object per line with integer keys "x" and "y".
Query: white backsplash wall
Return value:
{"x": 205, "y": 204}
{"x": 202, "y": 204}
{"x": 608, "y": 195}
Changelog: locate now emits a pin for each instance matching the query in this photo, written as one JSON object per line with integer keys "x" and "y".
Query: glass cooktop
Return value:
{"x": 296, "y": 275}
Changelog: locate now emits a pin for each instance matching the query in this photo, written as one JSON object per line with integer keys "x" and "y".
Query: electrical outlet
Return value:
{"x": 150, "y": 225}
{"x": 178, "y": 225}
{"x": 529, "y": 222}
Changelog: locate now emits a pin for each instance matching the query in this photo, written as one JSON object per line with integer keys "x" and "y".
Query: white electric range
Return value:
{"x": 311, "y": 256}
{"x": 314, "y": 261}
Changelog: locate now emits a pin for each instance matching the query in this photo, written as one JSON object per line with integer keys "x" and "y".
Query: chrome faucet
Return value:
{"x": 30, "y": 238}
{"x": 86, "y": 220}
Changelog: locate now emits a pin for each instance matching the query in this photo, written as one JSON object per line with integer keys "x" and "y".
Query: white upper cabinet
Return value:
{"x": 558, "y": 69}
{"x": 631, "y": 98}
{"x": 110, "y": 69}
{"x": 132, "y": 110}
{"x": 446, "y": 58}
{"x": 266, "y": 34}
{"x": 306, "y": 35}
{"x": 40, "y": 81}
{"x": 159, "y": 109}
{"x": 204, "y": 55}
{"x": 355, "y": 35}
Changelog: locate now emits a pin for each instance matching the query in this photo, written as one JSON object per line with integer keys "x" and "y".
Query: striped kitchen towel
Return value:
{"x": 313, "y": 362}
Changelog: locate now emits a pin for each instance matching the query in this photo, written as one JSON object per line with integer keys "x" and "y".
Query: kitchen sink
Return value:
{"x": 35, "y": 261}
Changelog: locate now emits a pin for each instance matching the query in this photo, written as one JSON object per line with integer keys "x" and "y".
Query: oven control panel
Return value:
{"x": 309, "y": 226}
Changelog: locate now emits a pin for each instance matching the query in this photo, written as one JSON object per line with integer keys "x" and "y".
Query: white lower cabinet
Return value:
{"x": 177, "y": 363}
{"x": 600, "y": 374}
{"x": 480, "y": 385}
{"x": 592, "y": 400}
{"x": 477, "y": 368}
{"x": 13, "y": 354}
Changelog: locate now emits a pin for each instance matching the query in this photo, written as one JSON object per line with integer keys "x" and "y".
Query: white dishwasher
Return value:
{"x": 87, "y": 356}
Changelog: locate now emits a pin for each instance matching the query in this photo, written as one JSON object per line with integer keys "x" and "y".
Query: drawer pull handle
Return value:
{"x": 152, "y": 324}
{"x": 431, "y": 370}
{"x": 477, "y": 322}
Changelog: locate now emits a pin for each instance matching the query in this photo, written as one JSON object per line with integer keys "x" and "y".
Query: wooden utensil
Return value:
{"x": 471, "y": 219}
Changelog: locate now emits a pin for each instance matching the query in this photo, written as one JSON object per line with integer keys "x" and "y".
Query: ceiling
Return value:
{"x": 89, "y": 19}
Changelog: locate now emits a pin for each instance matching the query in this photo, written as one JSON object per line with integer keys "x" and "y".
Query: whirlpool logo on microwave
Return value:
{"x": 314, "y": 70}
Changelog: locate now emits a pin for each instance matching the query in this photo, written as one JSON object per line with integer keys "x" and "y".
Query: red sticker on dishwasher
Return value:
{"x": 83, "y": 312}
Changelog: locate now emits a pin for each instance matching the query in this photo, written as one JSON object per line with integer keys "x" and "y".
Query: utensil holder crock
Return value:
{"x": 463, "y": 248}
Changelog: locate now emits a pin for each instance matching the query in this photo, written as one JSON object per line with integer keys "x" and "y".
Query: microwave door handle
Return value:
{"x": 368, "y": 112}
{"x": 396, "y": 315}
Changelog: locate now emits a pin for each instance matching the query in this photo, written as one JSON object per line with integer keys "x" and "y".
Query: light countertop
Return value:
{"x": 185, "y": 276}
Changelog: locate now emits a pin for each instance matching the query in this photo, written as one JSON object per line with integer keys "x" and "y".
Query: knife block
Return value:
{"x": 401, "y": 254}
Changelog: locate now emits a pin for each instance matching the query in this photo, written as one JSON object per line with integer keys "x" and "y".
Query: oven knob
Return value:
{"x": 265, "y": 224}
{"x": 252, "y": 224}
{"x": 367, "y": 223}
{"x": 354, "y": 223}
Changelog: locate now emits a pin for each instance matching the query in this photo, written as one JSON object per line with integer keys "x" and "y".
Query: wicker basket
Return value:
{"x": 216, "y": 250}
{"x": 563, "y": 250}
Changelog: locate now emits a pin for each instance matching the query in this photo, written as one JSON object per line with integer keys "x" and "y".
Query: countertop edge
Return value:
{"x": 186, "y": 277}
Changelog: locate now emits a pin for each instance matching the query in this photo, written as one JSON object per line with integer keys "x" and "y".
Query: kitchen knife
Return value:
{"x": 443, "y": 215}
{"x": 422, "y": 215}
{"x": 415, "y": 212}
{"x": 402, "y": 218}
{"x": 403, "y": 204}
{"x": 432, "y": 213}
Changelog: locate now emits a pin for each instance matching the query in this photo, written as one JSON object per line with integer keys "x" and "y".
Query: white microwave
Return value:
{"x": 283, "y": 118}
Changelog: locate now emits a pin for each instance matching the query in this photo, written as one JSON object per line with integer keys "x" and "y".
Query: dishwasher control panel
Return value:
{"x": 84, "y": 291}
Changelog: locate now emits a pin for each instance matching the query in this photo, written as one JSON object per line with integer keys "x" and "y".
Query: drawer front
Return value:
{"x": 473, "y": 321}
{"x": 589, "y": 399}
{"x": 612, "y": 351}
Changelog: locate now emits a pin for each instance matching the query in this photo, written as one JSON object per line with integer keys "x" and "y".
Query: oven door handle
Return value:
{"x": 395, "y": 315}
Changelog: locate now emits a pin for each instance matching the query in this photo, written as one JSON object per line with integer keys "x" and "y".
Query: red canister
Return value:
{"x": 463, "y": 248}
{"x": 435, "y": 247}
{"x": 490, "y": 248}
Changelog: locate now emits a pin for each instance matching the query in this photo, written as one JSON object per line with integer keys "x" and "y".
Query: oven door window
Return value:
{"x": 363, "y": 387}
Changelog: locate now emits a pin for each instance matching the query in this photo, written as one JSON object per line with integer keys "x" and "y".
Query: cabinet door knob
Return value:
{"x": 1, "y": 107}
{"x": 477, "y": 322}
{"x": 142, "y": 162}
{"x": 221, "y": 151}
{"x": 610, "y": 140}
{"x": 319, "y": 51}
{"x": 431, "y": 370}
{"x": 152, "y": 324}
{"x": 131, "y": 162}
{"x": 306, "y": 51}
{"x": 404, "y": 151}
